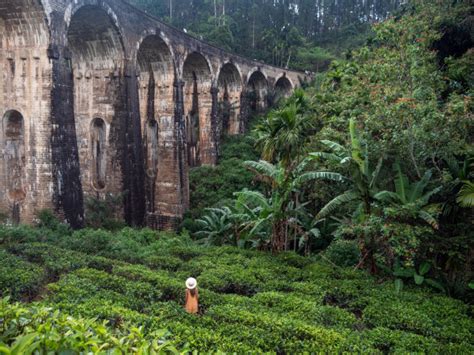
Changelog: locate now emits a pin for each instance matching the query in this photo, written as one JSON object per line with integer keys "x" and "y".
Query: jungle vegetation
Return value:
{"x": 342, "y": 222}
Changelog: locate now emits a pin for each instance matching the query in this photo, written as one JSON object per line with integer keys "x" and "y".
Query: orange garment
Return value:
{"x": 192, "y": 301}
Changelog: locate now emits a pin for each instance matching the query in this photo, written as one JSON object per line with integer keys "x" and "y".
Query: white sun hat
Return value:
{"x": 191, "y": 283}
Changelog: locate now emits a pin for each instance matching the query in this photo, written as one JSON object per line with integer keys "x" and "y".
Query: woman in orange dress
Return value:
{"x": 192, "y": 297}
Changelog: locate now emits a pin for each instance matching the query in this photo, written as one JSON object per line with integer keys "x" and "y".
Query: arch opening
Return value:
{"x": 94, "y": 40}
{"x": 151, "y": 144}
{"x": 257, "y": 91}
{"x": 97, "y": 58}
{"x": 156, "y": 70}
{"x": 197, "y": 108}
{"x": 230, "y": 87}
{"x": 14, "y": 154}
{"x": 283, "y": 88}
{"x": 98, "y": 151}
{"x": 22, "y": 24}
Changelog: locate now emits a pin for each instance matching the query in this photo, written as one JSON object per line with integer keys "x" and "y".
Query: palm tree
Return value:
{"x": 412, "y": 197}
{"x": 283, "y": 134}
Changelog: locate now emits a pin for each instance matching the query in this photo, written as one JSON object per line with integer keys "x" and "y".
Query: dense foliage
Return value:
{"x": 379, "y": 152}
{"x": 361, "y": 185}
{"x": 96, "y": 290}
{"x": 285, "y": 33}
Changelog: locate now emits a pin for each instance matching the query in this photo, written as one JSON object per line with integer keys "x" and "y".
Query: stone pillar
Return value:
{"x": 244, "y": 111}
{"x": 215, "y": 132}
{"x": 132, "y": 163}
{"x": 67, "y": 187}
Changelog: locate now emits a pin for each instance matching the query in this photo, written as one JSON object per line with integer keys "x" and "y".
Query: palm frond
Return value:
{"x": 465, "y": 197}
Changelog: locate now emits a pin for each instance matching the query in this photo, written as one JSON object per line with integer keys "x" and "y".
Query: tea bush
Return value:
{"x": 36, "y": 328}
{"x": 250, "y": 301}
{"x": 343, "y": 253}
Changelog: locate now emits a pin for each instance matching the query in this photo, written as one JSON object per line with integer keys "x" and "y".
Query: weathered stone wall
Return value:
{"x": 98, "y": 98}
{"x": 25, "y": 102}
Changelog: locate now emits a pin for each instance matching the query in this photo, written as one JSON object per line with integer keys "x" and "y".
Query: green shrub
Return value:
{"x": 19, "y": 278}
{"x": 39, "y": 329}
{"x": 250, "y": 301}
{"x": 343, "y": 253}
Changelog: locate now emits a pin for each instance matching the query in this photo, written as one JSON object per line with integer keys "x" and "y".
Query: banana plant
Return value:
{"x": 362, "y": 177}
{"x": 279, "y": 207}
{"x": 216, "y": 226}
{"x": 413, "y": 197}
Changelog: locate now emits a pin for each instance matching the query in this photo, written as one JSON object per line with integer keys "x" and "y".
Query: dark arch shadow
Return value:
{"x": 229, "y": 83}
{"x": 197, "y": 108}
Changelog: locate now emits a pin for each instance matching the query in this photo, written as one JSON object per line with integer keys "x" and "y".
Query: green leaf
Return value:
{"x": 4, "y": 349}
{"x": 407, "y": 273}
{"x": 418, "y": 279}
{"x": 428, "y": 218}
{"x": 318, "y": 175}
{"x": 435, "y": 284}
{"x": 398, "y": 285}
{"x": 22, "y": 342}
{"x": 465, "y": 196}
{"x": 401, "y": 184}
{"x": 334, "y": 204}
{"x": 424, "y": 268}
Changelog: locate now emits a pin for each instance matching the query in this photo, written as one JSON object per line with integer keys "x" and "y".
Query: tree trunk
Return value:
{"x": 278, "y": 236}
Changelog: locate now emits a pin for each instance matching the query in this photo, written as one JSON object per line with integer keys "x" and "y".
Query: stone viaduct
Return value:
{"x": 98, "y": 98}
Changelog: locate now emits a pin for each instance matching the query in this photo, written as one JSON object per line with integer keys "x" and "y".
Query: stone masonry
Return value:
{"x": 100, "y": 99}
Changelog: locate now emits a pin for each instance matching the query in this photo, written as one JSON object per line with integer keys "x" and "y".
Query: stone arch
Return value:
{"x": 283, "y": 88}
{"x": 229, "y": 83}
{"x": 13, "y": 139}
{"x": 99, "y": 153}
{"x": 156, "y": 71}
{"x": 98, "y": 63}
{"x": 257, "y": 91}
{"x": 94, "y": 39}
{"x": 197, "y": 79}
{"x": 23, "y": 24}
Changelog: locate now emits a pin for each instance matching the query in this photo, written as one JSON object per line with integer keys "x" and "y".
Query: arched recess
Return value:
{"x": 283, "y": 88}
{"x": 13, "y": 128}
{"x": 156, "y": 70}
{"x": 197, "y": 109}
{"x": 229, "y": 84}
{"x": 257, "y": 91}
{"x": 97, "y": 58}
{"x": 157, "y": 73}
{"x": 25, "y": 84}
{"x": 98, "y": 146}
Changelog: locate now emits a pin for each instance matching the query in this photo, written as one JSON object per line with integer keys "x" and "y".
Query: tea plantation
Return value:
{"x": 123, "y": 292}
